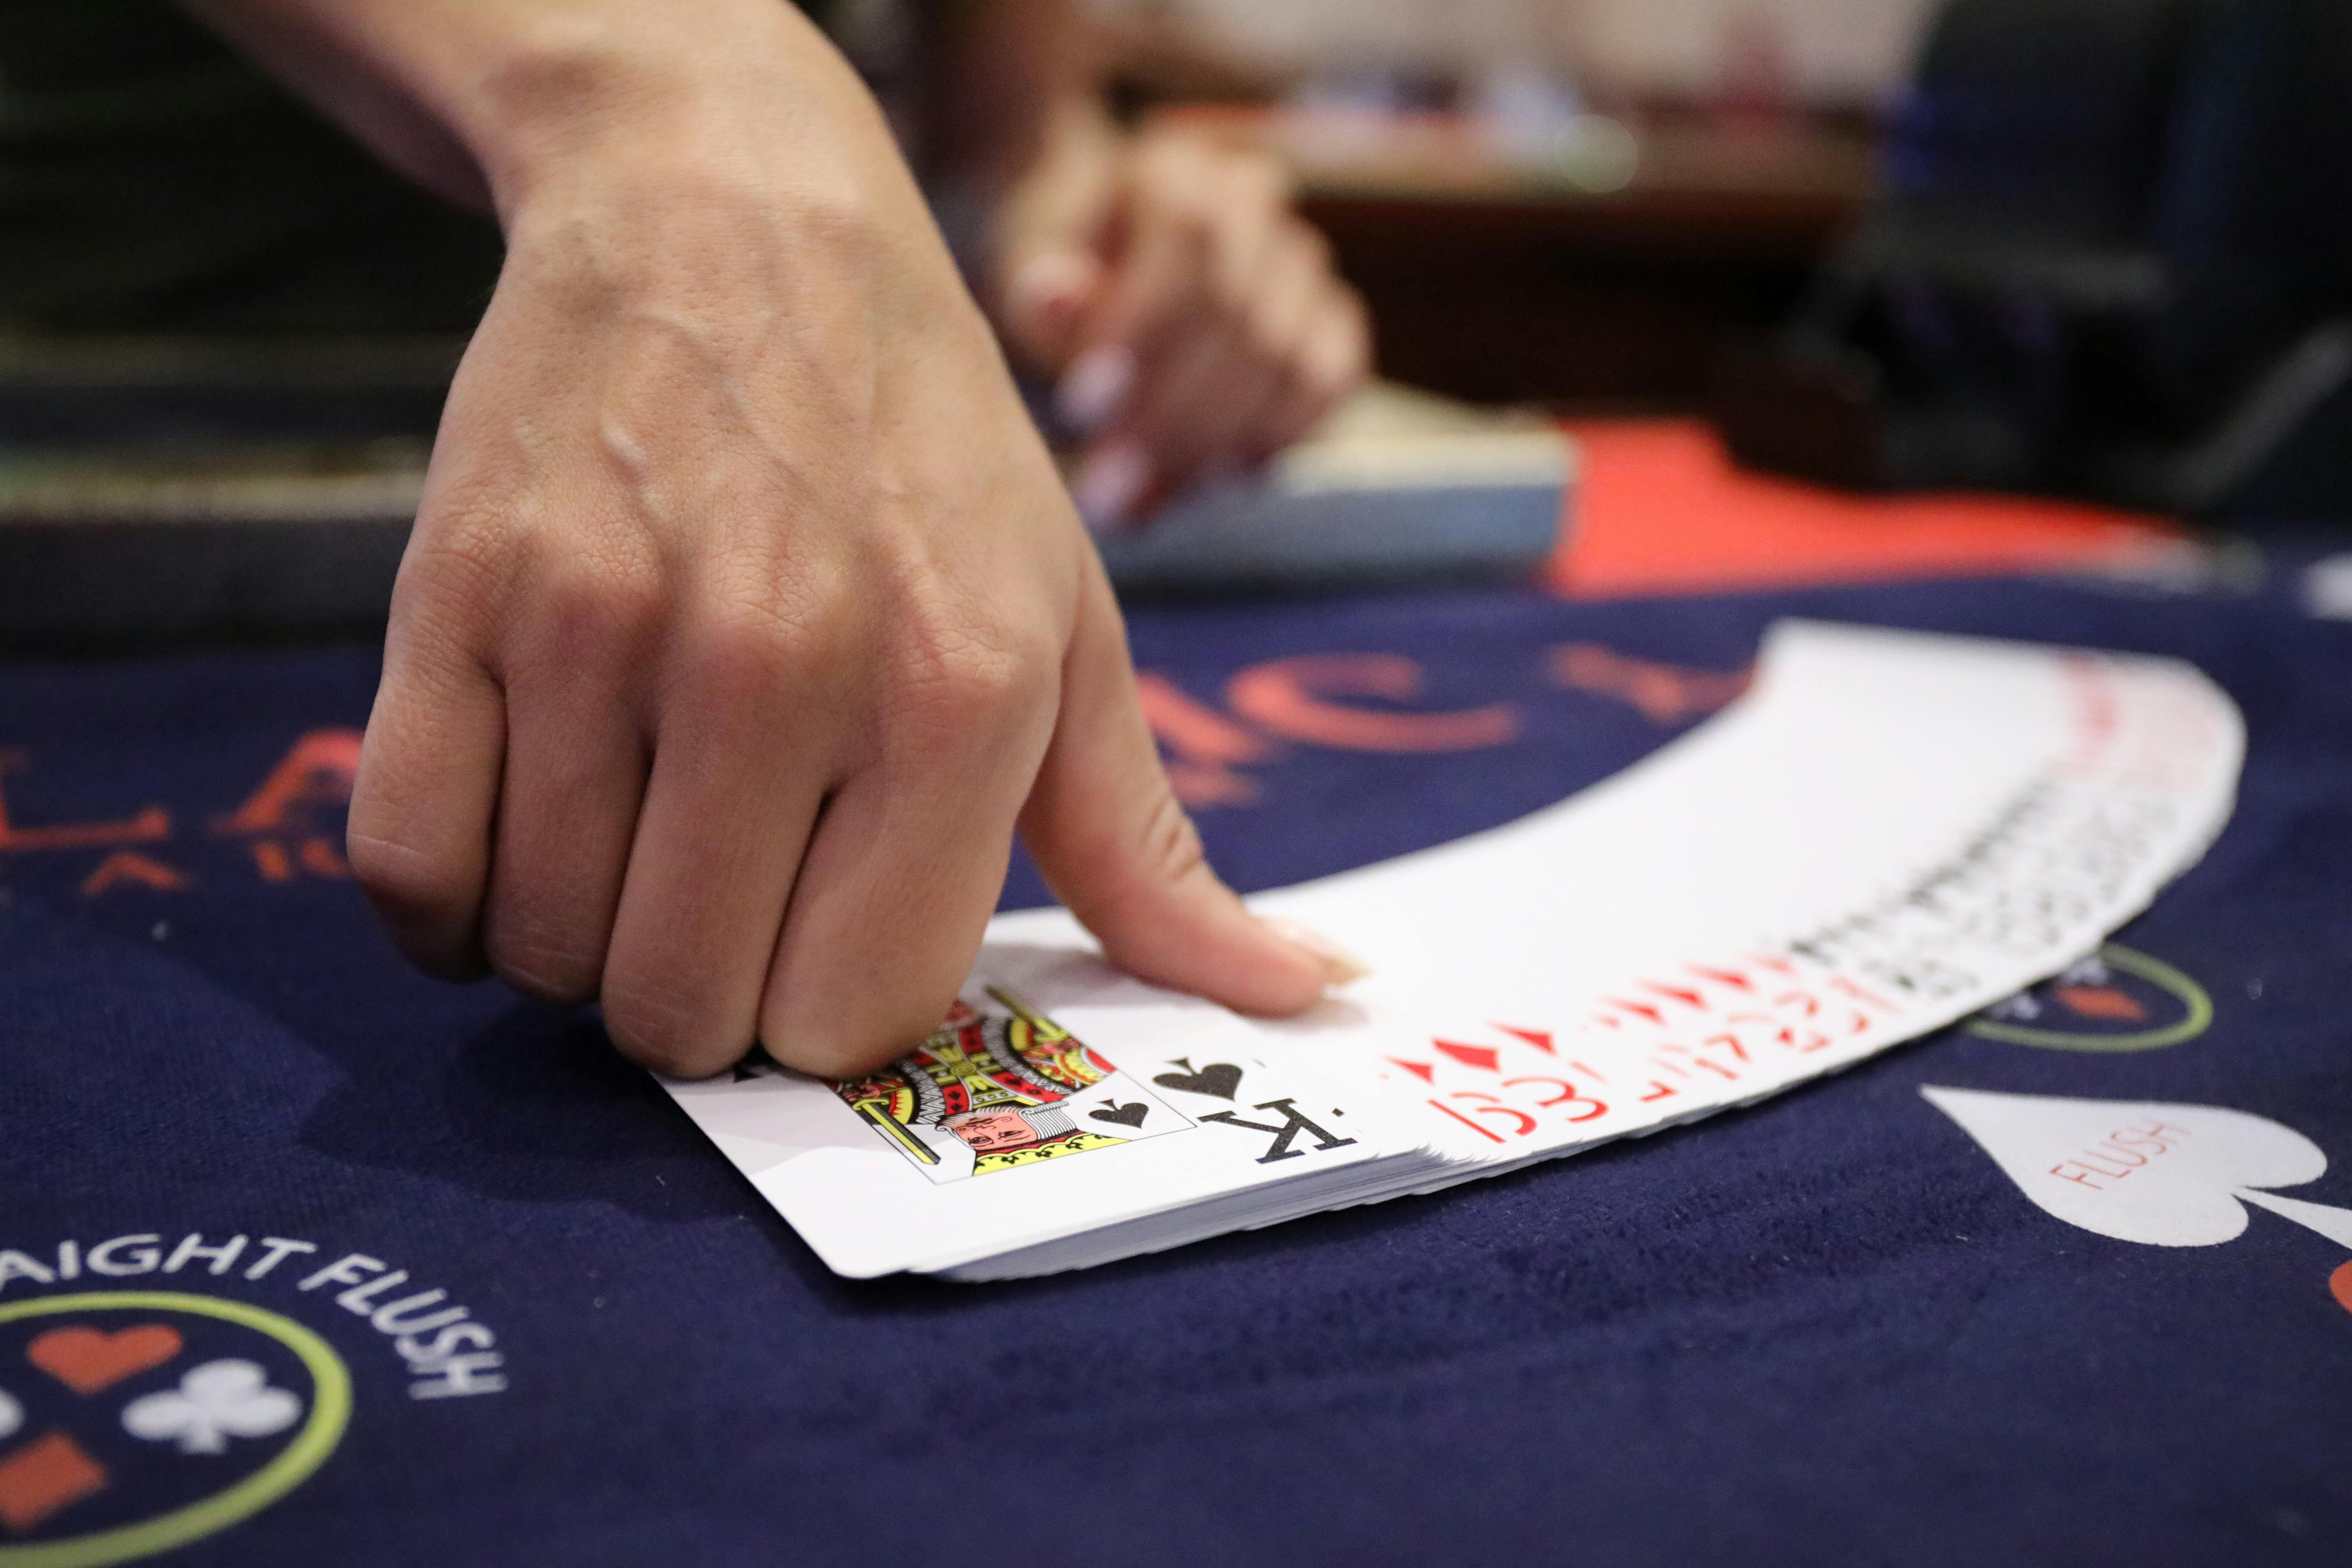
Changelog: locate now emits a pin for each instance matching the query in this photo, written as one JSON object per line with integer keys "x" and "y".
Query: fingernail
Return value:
{"x": 1051, "y": 283}
{"x": 1109, "y": 481}
{"x": 1094, "y": 387}
{"x": 1340, "y": 966}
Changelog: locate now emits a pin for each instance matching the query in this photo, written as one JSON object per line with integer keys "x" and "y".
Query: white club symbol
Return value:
{"x": 215, "y": 1402}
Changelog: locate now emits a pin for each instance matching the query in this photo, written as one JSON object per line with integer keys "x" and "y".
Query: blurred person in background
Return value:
{"x": 745, "y": 613}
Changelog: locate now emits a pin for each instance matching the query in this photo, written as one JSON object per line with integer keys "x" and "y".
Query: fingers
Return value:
{"x": 899, "y": 883}
{"x": 1198, "y": 221}
{"x": 1226, "y": 419}
{"x": 1320, "y": 337}
{"x": 1114, "y": 844}
{"x": 1333, "y": 357}
{"x": 1195, "y": 417}
{"x": 422, "y": 805}
{"x": 1245, "y": 387}
{"x": 1052, "y": 237}
{"x": 1168, "y": 323}
{"x": 575, "y": 776}
{"x": 736, "y": 785}
{"x": 1235, "y": 331}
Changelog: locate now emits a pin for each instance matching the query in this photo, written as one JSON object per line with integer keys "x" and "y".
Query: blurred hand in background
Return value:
{"x": 1190, "y": 322}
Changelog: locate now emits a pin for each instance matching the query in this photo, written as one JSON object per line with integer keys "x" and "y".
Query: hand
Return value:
{"x": 745, "y": 614}
{"x": 1195, "y": 323}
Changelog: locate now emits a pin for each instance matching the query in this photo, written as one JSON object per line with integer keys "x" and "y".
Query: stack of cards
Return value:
{"x": 1889, "y": 832}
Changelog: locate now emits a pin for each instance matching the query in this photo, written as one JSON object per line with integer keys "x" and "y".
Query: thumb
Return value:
{"x": 1107, "y": 831}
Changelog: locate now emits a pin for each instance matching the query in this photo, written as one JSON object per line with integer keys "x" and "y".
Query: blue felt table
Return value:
{"x": 1829, "y": 1329}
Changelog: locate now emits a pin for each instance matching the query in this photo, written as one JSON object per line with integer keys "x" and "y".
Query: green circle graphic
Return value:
{"x": 2156, "y": 972}
{"x": 331, "y": 1412}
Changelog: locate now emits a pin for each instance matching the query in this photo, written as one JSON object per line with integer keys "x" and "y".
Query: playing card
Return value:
{"x": 1892, "y": 830}
{"x": 1084, "y": 1103}
{"x": 998, "y": 1086}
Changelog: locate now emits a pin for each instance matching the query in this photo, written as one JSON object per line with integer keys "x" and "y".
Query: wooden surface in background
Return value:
{"x": 1495, "y": 279}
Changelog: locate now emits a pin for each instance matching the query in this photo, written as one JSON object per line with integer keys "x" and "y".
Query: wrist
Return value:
{"x": 483, "y": 102}
{"x": 762, "y": 161}
{"x": 749, "y": 96}
{"x": 501, "y": 99}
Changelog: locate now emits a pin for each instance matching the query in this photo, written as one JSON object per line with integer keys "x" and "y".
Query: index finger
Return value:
{"x": 418, "y": 838}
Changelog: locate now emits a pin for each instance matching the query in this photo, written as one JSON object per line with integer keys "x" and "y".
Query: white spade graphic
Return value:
{"x": 2170, "y": 1175}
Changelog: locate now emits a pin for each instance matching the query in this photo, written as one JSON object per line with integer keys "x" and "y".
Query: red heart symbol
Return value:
{"x": 86, "y": 1359}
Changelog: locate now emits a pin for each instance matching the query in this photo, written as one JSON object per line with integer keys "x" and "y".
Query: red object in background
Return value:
{"x": 1661, "y": 508}
{"x": 2102, "y": 1002}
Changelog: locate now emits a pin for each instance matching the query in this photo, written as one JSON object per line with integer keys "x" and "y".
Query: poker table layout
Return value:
{"x": 307, "y": 1258}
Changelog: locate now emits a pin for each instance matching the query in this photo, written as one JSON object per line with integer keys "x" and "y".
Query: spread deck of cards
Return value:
{"x": 1889, "y": 831}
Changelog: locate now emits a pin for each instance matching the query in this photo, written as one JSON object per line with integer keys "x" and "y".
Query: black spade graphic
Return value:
{"x": 1218, "y": 1078}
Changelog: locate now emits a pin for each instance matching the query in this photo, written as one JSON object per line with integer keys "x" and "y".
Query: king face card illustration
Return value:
{"x": 999, "y": 1086}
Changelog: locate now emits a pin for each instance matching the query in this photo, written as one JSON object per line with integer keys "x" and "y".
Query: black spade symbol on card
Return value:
{"x": 1130, "y": 1115}
{"x": 1218, "y": 1078}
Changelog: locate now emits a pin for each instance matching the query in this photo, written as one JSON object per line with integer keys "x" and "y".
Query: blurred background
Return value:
{"x": 1763, "y": 261}
{"x": 1572, "y": 201}
{"x": 2088, "y": 249}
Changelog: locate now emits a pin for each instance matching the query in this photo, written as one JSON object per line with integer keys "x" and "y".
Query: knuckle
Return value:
{"x": 465, "y": 545}
{"x": 447, "y": 593}
{"x": 829, "y": 1045}
{"x": 544, "y": 973}
{"x": 749, "y": 647}
{"x": 590, "y": 616}
{"x": 830, "y": 1058}
{"x": 980, "y": 675}
{"x": 954, "y": 681}
{"x": 411, "y": 885}
{"x": 626, "y": 596}
{"x": 668, "y": 1034}
{"x": 1170, "y": 845}
{"x": 540, "y": 958}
